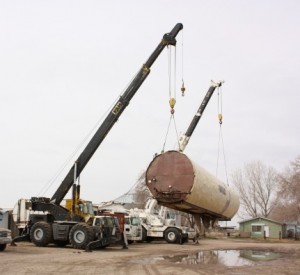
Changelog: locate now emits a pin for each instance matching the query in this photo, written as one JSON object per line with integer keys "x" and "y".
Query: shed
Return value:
{"x": 260, "y": 227}
{"x": 291, "y": 230}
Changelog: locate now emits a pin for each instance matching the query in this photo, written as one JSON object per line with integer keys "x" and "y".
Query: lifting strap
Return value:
{"x": 172, "y": 117}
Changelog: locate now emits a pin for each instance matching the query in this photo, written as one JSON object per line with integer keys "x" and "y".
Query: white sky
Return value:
{"x": 64, "y": 63}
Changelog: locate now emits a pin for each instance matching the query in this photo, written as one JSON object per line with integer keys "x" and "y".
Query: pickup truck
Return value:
{"x": 5, "y": 238}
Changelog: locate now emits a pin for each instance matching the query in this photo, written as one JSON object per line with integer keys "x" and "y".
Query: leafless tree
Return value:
{"x": 288, "y": 195}
{"x": 256, "y": 184}
{"x": 141, "y": 191}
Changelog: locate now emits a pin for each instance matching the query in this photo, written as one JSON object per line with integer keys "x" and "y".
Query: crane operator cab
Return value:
{"x": 84, "y": 209}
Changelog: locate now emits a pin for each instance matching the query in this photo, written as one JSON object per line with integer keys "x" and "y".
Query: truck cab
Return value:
{"x": 5, "y": 238}
{"x": 108, "y": 231}
{"x": 83, "y": 208}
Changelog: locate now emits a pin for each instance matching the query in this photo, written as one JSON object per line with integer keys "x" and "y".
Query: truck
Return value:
{"x": 151, "y": 223}
{"x": 159, "y": 223}
{"x": 132, "y": 225}
{"x": 50, "y": 222}
{"x": 5, "y": 238}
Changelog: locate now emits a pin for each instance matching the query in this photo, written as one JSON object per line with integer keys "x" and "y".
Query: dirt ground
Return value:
{"x": 207, "y": 257}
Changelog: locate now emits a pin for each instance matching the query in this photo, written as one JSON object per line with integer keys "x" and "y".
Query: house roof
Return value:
{"x": 260, "y": 218}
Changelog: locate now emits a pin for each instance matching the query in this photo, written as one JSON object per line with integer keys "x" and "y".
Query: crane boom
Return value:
{"x": 184, "y": 139}
{"x": 112, "y": 117}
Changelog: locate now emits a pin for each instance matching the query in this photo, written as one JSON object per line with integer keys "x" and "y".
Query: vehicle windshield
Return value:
{"x": 86, "y": 207}
{"x": 135, "y": 221}
{"x": 116, "y": 221}
{"x": 89, "y": 208}
{"x": 171, "y": 215}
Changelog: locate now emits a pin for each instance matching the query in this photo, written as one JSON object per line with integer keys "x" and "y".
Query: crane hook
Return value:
{"x": 220, "y": 118}
{"x": 172, "y": 103}
{"x": 182, "y": 89}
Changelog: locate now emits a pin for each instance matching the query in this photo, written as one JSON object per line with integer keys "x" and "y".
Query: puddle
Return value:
{"x": 229, "y": 258}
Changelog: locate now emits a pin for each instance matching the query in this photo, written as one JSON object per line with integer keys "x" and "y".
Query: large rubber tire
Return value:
{"x": 80, "y": 235}
{"x": 2, "y": 246}
{"x": 171, "y": 235}
{"x": 41, "y": 233}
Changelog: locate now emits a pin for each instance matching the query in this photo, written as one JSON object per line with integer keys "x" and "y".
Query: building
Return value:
{"x": 4, "y": 218}
{"x": 291, "y": 230}
{"x": 260, "y": 227}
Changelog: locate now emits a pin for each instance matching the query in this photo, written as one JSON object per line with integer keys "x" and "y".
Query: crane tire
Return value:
{"x": 80, "y": 235}
{"x": 41, "y": 233}
{"x": 171, "y": 235}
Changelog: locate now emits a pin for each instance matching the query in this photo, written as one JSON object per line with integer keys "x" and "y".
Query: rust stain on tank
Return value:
{"x": 170, "y": 177}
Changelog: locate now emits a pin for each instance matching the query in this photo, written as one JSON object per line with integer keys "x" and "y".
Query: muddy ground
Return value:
{"x": 210, "y": 256}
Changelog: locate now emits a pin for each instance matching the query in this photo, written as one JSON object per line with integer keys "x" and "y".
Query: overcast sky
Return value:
{"x": 64, "y": 63}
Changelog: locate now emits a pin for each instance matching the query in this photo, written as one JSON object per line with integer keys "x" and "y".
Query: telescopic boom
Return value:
{"x": 184, "y": 139}
{"x": 112, "y": 117}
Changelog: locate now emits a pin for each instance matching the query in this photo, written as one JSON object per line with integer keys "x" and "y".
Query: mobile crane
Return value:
{"x": 61, "y": 225}
{"x": 162, "y": 225}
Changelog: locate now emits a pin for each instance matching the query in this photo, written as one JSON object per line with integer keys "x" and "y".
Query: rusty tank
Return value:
{"x": 179, "y": 183}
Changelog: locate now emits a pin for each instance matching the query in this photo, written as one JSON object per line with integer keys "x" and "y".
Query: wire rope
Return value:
{"x": 220, "y": 139}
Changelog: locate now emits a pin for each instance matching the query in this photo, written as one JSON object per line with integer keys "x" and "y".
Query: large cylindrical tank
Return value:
{"x": 179, "y": 183}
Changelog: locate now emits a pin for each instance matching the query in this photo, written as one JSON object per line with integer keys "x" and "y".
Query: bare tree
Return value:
{"x": 256, "y": 184}
{"x": 141, "y": 191}
{"x": 288, "y": 195}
